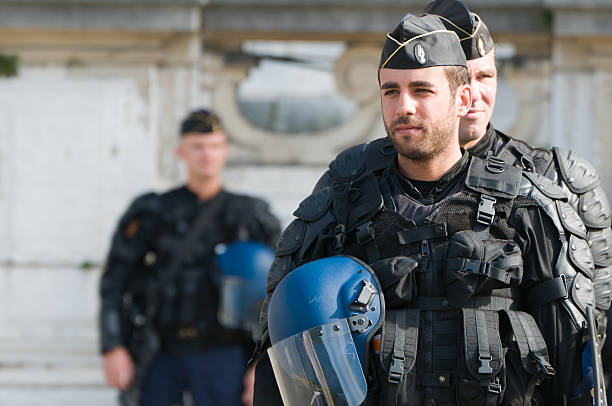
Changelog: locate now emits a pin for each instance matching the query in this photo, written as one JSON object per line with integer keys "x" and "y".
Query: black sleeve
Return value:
{"x": 129, "y": 244}
{"x": 253, "y": 216}
{"x": 541, "y": 245}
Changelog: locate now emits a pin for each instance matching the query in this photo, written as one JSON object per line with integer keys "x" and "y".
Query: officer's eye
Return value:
{"x": 390, "y": 92}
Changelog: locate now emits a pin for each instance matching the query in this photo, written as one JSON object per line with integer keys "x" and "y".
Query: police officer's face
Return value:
{"x": 421, "y": 115}
{"x": 204, "y": 153}
{"x": 483, "y": 75}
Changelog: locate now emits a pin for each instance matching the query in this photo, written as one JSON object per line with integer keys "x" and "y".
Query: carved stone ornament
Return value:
{"x": 355, "y": 75}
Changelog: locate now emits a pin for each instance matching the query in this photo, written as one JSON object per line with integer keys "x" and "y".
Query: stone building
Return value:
{"x": 90, "y": 121}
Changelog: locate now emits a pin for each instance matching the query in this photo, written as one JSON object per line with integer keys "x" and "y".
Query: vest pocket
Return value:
{"x": 481, "y": 368}
{"x": 526, "y": 359}
{"x": 398, "y": 379}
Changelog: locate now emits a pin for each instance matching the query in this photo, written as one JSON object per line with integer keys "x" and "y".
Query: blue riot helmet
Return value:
{"x": 321, "y": 319}
{"x": 244, "y": 267}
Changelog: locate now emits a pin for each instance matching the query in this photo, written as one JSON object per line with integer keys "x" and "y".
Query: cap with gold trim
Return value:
{"x": 201, "y": 121}
{"x": 421, "y": 42}
{"x": 473, "y": 33}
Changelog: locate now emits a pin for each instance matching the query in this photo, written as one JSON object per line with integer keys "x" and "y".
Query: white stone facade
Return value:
{"x": 90, "y": 122}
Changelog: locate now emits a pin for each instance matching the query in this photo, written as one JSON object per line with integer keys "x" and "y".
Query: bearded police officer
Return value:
{"x": 160, "y": 288}
{"x": 484, "y": 266}
{"x": 571, "y": 172}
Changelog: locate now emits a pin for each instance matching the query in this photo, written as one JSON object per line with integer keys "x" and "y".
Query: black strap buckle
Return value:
{"x": 340, "y": 237}
{"x": 495, "y": 165}
{"x": 495, "y": 386}
{"x": 485, "y": 367}
{"x": 396, "y": 371}
{"x": 365, "y": 233}
{"x": 545, "y": 368}
{"x": 486, "y": 210}
{"x": 475, "y": 267}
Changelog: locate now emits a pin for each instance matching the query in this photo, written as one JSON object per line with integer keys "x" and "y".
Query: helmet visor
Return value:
{"x": 319, "y": 366}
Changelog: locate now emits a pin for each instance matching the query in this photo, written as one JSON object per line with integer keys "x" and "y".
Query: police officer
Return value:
{"x": 476, "y": 259}
{"x": 573, "y": 173}
{"x": 160, "y": 288}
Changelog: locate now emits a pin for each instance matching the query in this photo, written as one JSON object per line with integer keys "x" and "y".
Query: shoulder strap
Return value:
{"x": 202, "y": 222}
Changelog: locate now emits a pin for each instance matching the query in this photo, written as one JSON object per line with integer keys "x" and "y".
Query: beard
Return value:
{"x": 435, "y": 138}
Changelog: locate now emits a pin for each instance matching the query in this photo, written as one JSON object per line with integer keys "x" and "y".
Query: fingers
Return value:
{"x": 118, "y": 368}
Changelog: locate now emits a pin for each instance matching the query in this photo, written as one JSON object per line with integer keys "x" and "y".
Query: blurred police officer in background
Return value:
{"x": 159, "y": 325}
{"x": 484, "y": 266}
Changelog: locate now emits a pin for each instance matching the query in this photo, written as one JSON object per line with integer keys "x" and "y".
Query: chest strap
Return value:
{"x": 405, "y": 340}
{"x": 437, "y": 303}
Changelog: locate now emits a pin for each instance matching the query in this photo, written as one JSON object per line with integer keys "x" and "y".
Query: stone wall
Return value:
{"x": 91, "y": 119}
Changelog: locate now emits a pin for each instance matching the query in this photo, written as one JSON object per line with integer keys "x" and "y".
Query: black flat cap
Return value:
{"x": 421, "y": 42}
{"x": 201, "y": 121}
{"x": 473, "y": 33}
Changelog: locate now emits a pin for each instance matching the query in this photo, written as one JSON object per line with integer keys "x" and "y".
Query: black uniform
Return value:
{"x": 573, "y": 174}
{"x": 147, "y": 238}
{"x": 489, "y": 249}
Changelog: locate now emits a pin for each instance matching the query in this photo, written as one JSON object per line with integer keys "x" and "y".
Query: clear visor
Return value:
{"x": 231, "y": 307}
{"x": 319, "y": 366}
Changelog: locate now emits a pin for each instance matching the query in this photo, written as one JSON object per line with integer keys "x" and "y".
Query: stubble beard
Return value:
{"x": 436, "y": 137}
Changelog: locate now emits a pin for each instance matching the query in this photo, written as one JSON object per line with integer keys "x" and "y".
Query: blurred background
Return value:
{"x": 92, "y": 91}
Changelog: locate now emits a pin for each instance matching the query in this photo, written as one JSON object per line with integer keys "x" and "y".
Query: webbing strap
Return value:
{"x": 433, "y": 303}
{"x": 396, "y": 369}
{"x": 365, "y": 237}
{"x": 484, "y": 355}
{"x": 531, "y": 344}
{"x": 421, "y": 233}
{"x": 546, "y": 292}
{"x": 500, "y": 271}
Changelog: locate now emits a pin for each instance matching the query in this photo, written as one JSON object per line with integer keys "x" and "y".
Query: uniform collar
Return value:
{"x": 485, "y": 144}
{"x": 442, "y": 185}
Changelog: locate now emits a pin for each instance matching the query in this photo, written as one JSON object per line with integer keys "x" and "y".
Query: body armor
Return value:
{"x": 577, "y": 179}
{"x": 148, "y": 239}
{"x": 452, "y": 276}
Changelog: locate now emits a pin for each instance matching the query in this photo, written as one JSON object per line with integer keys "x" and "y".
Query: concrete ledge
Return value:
{"x": 95, "y": 16}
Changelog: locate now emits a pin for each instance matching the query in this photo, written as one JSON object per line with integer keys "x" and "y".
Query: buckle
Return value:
{"x": 476, "y": 267}
{"x": 545, "y": 368}
{"x": 495, "y": 386}
{"x": 396, "y": 371}
{"x": 340, "y": 231}
{"x": 495, "y": 165}
{"x": 365, "y": 233}
{"x": 486, "y": 211}
{"x": 485, "y": 367}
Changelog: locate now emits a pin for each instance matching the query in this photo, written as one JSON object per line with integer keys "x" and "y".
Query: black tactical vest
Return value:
{"x": 449, "y": 272}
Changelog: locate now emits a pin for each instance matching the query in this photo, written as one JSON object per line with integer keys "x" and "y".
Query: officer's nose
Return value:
{"x": 406, "y": 105}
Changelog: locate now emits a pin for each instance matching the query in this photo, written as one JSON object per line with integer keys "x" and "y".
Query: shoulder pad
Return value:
{"x": 546, "y": 186}
{"x": 380, "y": 154}
{"x": 350, "y": 163}
{"x": 580, "y": 255}
{"x": 149, "y": 202}
{"x": 485, "y": 176}
{"x": 528, "y": 157}
{"x": 583, "y": 293}
{"x": 603, "y": 288}
{"x": 291, "y": 239}
{"x": 373, "y": 156}
{"x": 544, "y": 202}
{"x": 601, "y": 246}
{"x": 579, "y": 175}
{"x": 594, "y": 208}
{"x": 570, "y": 219}
{"x": 315, "y": 205}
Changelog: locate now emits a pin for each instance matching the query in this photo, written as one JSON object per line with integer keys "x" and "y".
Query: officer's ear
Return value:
{"x": 464, "y": 100}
